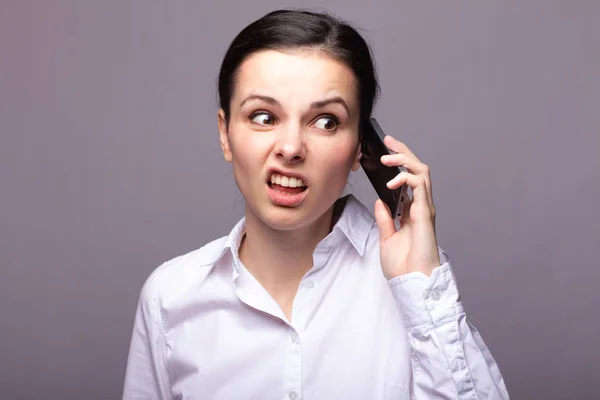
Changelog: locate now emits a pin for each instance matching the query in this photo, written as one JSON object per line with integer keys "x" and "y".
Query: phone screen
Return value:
{"x": 379, "y": 175}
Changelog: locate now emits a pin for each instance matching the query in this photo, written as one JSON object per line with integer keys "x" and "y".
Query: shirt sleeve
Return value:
{"x": 449, "y": 357}
{"x": 146, "y": 375}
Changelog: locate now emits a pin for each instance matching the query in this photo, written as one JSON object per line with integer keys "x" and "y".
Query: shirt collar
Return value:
{"x": 355, "y": 223}
{"x": 234, "y": 240}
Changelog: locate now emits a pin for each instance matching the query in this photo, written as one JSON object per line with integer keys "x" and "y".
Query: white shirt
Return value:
{"x": 206, "y": 329}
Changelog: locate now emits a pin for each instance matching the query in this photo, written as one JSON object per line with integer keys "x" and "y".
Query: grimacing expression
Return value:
{"x": 294, "y": 113}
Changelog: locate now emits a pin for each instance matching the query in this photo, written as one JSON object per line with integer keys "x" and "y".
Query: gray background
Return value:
{"x": 110, "y": 164}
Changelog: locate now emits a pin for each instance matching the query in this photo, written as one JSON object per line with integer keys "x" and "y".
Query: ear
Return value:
{"x": 357, "y": 157}
{"x": 223, "y": 136}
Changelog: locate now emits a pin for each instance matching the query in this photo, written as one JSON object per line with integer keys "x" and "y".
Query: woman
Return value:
{"x": 309, "y": 296}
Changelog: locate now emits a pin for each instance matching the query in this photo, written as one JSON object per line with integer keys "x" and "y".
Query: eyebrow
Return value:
{"x": 266, "y": 99}
{"x": 332, "y": 100}
{"x": 313, "y": 105}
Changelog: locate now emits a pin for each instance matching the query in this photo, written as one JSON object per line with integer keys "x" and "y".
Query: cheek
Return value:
{"x": 338, "y": 161}
{"x": 248, "y": 153}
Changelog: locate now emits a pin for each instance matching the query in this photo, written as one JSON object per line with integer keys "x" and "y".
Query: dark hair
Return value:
{"x": 300, "y": 29}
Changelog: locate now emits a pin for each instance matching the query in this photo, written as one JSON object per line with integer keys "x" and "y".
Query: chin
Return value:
{"x": 310, "y": 209}
{"x": 285, "y": 219}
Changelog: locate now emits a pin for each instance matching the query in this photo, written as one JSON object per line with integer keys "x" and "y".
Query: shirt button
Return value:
{"x": 293, "y": 395}
{"x": 310, "y": 284}
{"x": 295, "y": 338}
{"x": 435, "y": 295}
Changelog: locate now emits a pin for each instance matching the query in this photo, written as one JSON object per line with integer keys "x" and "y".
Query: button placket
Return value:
{"x": 304, "y": 298}
{"x": 295, "y": 338}
{"x": 293, "y": 365}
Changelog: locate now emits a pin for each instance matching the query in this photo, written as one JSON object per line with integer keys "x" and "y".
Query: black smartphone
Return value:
{"x": 379, "y": 175}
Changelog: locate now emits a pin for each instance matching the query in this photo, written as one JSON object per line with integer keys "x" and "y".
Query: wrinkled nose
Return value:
{"x": 290, "y": 147}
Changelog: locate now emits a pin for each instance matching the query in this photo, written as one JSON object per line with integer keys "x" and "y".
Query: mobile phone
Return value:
{"x": 379, "y": 175}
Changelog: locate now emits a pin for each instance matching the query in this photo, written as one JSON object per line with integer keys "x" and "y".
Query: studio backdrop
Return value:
{"x": 110, "y": 164}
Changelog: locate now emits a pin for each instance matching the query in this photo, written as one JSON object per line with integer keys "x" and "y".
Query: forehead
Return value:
{"x": 295, "y": 75}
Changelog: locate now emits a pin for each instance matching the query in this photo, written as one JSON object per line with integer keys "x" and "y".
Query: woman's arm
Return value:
{"x": 146, "y": 376}
{"x": 449, "y": 358}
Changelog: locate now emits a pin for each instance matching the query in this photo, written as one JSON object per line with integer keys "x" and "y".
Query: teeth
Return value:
{"x": 286, "y": 181}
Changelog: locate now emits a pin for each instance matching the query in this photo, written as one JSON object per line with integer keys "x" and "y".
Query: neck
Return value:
{"x": 279, "y": 259}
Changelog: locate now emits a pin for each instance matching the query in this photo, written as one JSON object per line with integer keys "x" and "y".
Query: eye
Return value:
{"x": 329, "y": 123}
{"x": 262, "y": 118}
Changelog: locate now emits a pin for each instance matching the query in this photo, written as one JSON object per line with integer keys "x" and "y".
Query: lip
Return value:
{"x": 286, "y": 173}
{"x": 286, "y": 199}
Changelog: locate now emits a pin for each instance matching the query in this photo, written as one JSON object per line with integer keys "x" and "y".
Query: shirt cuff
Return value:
{"x": 424, "y": 300}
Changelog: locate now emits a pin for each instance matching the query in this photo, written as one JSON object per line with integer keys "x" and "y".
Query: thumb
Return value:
{"x": 385, "y": 223}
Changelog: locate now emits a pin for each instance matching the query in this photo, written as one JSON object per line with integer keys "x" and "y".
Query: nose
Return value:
{"x": 290, "y": 146}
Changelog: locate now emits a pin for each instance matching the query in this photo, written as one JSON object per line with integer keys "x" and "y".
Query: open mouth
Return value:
{"x": 286, "y": 184}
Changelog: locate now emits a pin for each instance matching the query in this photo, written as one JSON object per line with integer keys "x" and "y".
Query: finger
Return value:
{"x": 406, "y": 160}
{"x": 414, "y": 166}
{"x": 418, "y": 186}
{"x": 385, "y": 222}
{"x": 405, "y": 211}
{"x": 422, "y": 169}
{"x": 397, "y": 146}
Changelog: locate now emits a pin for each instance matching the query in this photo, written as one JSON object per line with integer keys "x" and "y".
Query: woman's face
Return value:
{"x": 292, "y": 135}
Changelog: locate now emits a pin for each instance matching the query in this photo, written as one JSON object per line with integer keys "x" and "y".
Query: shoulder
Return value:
{"x": 180, "y": 274}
